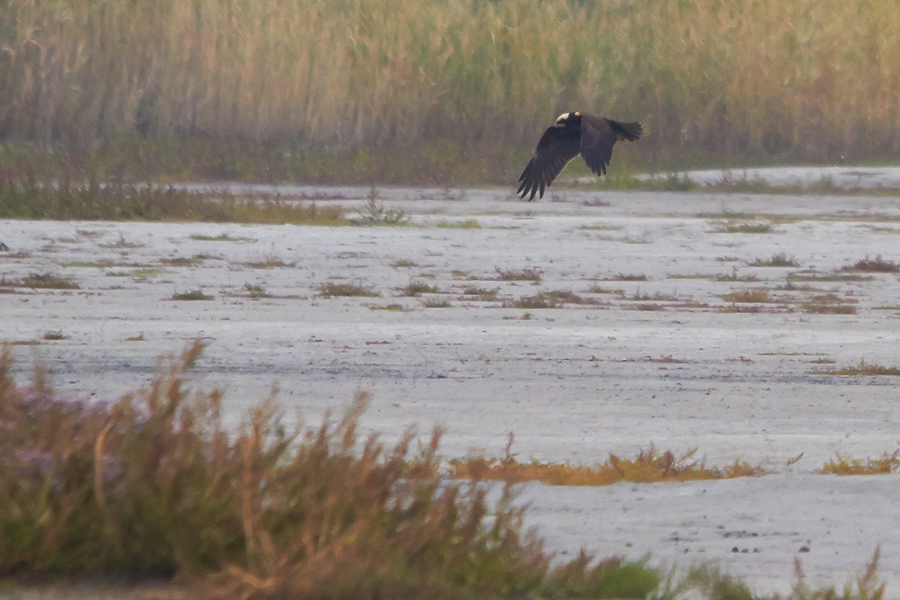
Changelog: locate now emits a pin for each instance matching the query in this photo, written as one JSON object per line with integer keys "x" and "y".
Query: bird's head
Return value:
{"x": 569, "y": 119}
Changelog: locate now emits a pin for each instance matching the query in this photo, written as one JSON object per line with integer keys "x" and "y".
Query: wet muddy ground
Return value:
{"x": 586, "y": 324}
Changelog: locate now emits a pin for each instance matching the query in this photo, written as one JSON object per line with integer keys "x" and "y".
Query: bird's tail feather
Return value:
{"x": 628, "y": 131}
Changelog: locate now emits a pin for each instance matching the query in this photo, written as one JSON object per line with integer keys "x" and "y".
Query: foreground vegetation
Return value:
{"x": 449, "y": 81}
{"x": 153, "y": 485}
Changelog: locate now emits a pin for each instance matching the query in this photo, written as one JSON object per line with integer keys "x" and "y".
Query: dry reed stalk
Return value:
{"x": 813, "y": 78}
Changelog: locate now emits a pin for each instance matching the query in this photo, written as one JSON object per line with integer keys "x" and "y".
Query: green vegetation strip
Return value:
{"x": 126, "y": 202}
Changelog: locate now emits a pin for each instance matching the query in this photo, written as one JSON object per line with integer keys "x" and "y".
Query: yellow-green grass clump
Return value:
{"x": 862, "y": 369}
{"x": 843, "y": 465}
{"x": 330, "y": 289}
{"x": 647, "y": 467}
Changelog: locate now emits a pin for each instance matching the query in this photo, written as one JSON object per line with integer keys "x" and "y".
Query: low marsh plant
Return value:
{"x": 464, "y": 224}
{"x": 255, "y": 291}
{"x": 776, "y": 260}
{"x": 388, "y": 307}
{"x": 331, "y": 289}
{"x": 191, "y": 296}
{"x": 29, "y": 199}
{"x": 374, "y": 213}
{"x": 404, "y": 264}
{"x": 734, "y": 276}
{"x": 480, "y": 293}
{"x": 628, "y": 277}
{"x": 863, "y": 369}
{"x": 269, "y": 261}
{"x": 437, "y": 303}
{"x": 417, "y": 288}
{"x": 595, "y": 288}
{"x": 756, "y": 295}
{"x": 829, "y": 304}
{"x": 648, "y": 466}
{"x": 744, "y": 227}
{"x": 41, "y": 281}
{"x": 552, "y": 299}
{"x": 843, "y": 465}
{"x": 873, "y": 265}
{"x": 526, "y": 274}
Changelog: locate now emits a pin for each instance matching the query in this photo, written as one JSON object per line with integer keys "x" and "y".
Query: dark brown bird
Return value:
{"x": 574, "y": 133}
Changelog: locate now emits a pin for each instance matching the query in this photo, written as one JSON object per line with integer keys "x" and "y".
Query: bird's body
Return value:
{"x": 574, "y": 133}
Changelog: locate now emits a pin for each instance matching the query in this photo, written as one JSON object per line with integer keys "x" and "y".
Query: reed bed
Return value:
{"x": 812, "y": 79}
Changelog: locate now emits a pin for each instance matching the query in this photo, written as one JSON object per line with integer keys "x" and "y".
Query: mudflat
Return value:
{"x": 751, "y": 327}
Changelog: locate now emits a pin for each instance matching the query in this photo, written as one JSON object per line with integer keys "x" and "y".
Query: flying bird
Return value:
{"x": 574, "y": 133}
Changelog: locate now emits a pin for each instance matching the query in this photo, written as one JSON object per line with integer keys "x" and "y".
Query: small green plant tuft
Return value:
{"x": 330, "y": 289}
{"x": 191, "y": 296}
{"x": 439, "y": 303}
{"x": 776, "y": 260}
{"x": 733, "y": 276}
{"x": 255, "y": 291}
{"x": 863, "y": 369}
{"x": 480, "y": 293}
{"x": 222, "y": 237}
{"x": 757, "y": 295}
{"x": 417, "y": 288}
{"x": 41, "y": 281}
{"x": 269, "y": 261}
{"x": 526, "y": 274}
{"x": 584, "y": 577}
{"x": 404, "y": 264}
{"x": 464, "y": 224}
{"x": 873, "y": 265}
{"x": 744, "y": 227}
{"x": 629, "y": 277}
{"x": 541, "y": 300}
{"x": 374, "y": 213}
{"x": 388, "y": 307}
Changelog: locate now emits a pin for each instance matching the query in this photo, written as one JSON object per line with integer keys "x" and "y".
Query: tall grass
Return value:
{"x": 811, "y": 79}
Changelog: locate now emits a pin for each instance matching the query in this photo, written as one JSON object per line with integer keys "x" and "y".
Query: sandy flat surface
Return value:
{"x": 657, "y": 352}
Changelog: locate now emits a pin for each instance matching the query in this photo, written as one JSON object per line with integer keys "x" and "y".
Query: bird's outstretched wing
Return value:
{"x": 557, "y": 147}
{"x": 599, "y": 135}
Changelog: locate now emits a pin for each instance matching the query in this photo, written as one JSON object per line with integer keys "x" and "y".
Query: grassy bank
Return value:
{"x": 740, "y": 79}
